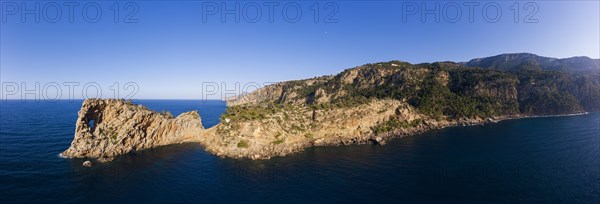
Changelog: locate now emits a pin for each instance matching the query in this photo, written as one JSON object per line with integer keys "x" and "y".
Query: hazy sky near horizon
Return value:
{"x": 169, "y": 49}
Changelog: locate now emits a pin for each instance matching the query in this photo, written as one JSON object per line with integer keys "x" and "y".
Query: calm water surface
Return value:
{"x": 553, "y": 159}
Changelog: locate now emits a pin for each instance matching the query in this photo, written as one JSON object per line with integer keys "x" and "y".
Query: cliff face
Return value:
{"x": 369, "y": 103}
{"x": 283, "y": 92}
{"x": 106, "y": 128}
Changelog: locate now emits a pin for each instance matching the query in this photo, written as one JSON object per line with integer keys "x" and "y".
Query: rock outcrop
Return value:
{"x": 107, "y": 128}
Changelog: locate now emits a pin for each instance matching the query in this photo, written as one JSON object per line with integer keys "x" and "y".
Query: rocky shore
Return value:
{"x": 108, "y": 128}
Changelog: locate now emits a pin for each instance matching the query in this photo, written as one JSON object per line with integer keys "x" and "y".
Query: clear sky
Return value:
{"x": 168, "y": 49}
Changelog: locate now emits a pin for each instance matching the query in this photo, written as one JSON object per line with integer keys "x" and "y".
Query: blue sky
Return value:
{"x": 176, "y": 46}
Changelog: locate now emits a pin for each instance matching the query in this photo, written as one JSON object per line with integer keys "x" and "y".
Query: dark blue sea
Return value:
{"x": 549, "y": 159}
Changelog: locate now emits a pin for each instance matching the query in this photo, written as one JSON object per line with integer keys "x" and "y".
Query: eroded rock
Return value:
{"x": 107, "y": 128}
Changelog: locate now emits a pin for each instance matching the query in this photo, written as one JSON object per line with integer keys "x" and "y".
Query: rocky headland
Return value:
{"x": 111, "y": 127}
{"x": 366, "y": 104}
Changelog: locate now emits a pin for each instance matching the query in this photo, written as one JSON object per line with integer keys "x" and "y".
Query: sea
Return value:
{"x": 530, "y": 160}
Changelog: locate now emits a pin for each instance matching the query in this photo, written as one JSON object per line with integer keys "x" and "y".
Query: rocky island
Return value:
{"x": 366, "y": 104}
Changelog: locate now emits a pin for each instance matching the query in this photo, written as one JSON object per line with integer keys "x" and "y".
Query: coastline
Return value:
{"x": 127, "y": 127}
{"x": 380, "y": 139}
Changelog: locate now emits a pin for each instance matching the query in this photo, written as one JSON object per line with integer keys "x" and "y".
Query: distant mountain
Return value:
{"x": 528, "y": 61}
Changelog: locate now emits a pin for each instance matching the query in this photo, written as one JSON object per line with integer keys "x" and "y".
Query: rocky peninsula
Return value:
{"x": 366, "y": 104}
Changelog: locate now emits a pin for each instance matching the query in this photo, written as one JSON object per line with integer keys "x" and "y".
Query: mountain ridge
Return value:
{"x": 512, "y": 61}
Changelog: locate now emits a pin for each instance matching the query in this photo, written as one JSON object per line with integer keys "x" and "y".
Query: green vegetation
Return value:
{"x": 394, "y": 123}
{"x": 276, "y": 142}
{"x": 556, "y": 92}
{"x": 450, "y": 89}
{"x": 110, "y": 133}
{"x": 243, "y": 112}
{"x": 242, "y": 144}
{"x": 128, "y": 101}
{"x": 435, "y": 89}
{"x": 309, "y": 135}
{"x": 297, "y": 128}
{"x": 167, "y": 114}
